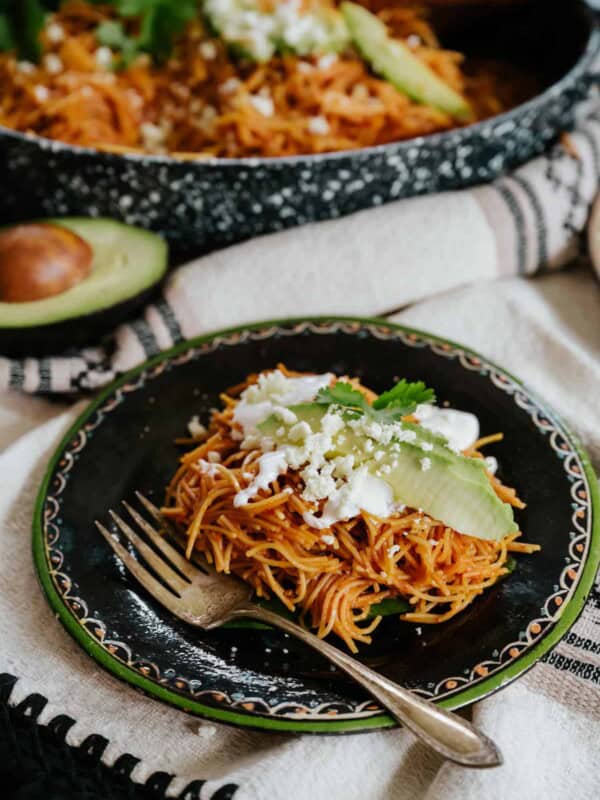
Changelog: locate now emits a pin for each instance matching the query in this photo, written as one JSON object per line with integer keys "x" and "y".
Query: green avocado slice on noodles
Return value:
{"x": 422, "y": 471}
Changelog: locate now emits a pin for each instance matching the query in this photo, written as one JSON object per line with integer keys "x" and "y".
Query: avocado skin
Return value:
{"x": 86, "y": 330}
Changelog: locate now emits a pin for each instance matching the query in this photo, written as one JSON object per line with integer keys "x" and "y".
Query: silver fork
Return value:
{"x": 207, "y": 599}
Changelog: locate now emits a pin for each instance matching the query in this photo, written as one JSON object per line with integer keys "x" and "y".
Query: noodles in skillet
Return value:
{"x": 202, "y": 101}
{"x": 332, "y": 578}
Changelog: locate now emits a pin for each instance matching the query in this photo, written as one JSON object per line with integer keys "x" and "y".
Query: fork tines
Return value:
{"x": 168, "y": 563}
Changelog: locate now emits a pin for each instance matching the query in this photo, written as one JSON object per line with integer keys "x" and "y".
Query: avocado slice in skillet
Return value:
{"x": 394, "y": 61}
{"x": 67, "y": 282}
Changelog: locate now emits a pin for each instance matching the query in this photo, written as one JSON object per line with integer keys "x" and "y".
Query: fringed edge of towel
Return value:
{"x": 29, "y": 743}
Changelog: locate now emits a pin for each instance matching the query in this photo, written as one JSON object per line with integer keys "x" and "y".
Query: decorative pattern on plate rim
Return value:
{"x": 535, "y": 629}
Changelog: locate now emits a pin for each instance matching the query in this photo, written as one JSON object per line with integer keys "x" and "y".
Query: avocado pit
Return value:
{"x": 40, "y": 260}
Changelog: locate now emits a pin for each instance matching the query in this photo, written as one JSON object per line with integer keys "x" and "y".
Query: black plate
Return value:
{"x": 124, "y": 442}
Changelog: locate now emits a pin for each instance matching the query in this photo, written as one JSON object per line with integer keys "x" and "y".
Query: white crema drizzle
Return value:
{"x": 346, "y": 489}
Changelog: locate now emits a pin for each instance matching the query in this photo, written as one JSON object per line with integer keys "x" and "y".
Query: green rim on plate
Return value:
{"x": 571, "y": 610}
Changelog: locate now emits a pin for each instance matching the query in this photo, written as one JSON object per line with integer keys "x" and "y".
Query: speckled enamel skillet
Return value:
{"x": 208, "y": 203}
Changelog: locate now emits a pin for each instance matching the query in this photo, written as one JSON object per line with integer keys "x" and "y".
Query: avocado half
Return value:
{"x": 127, "y": 267}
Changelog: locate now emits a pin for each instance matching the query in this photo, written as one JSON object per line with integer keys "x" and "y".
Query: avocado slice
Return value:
{"x": 128, "y": 263}
{"x": 393, "y": 60}
{"x": 449, "y": 487}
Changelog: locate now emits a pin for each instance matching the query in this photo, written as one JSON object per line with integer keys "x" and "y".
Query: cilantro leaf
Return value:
{"x": 132, "y": 8}
{"x": 32, "y": 19}
{"x": 21, "y": 22}
{"x": 7, "y": 37}
{"x": 389, "y": 606}
{"x": 342, "y": 394}
{"x": 111, "y": 33}
{"x": 391, "y": 406}
{"x": 405, "y": 397}
{"x": 510, "y": 564}
{"x": 157, "y": 23}
{"x": 160, "y": 22}
{"x": 386, "y": 608}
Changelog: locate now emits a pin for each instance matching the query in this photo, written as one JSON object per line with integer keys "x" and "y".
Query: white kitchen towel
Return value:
{"x": 547, "y": 724}
{"x": 371, "y": 262}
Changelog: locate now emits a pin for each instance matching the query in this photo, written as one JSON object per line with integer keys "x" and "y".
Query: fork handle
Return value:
{"x": 445, "y": 732}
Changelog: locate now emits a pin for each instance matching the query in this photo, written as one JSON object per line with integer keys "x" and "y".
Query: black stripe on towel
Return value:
{"x": 585, "y": 134}
{"x": 38, "y": 761}
{"x": 580, "y": 669}
{"x": 594, "y": 596}
{"x": 145, "y": 336}
{"x": 45, "y": 372}
{"x": 168, "y": 317}
{"x": 540, "y": 220}
{"x": 583, "y": 643}
{"x": 519, "y": 220}
{"x": 576, "y": 202}
{"x": 17, "y": 375}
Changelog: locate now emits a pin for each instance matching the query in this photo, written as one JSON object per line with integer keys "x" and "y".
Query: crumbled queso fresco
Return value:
{"x": 259, "y": 32}
{"x": 55, "y": 33}
{"x": 230, "y": 85}
{"x": 42, "y": 93}
{"x": 318, "y": 126}
{"x": 263, "y": 104}
{"x": 340, "y": 486}
{"x": 53, "y": 64}
{"x": 104, "y": 57}
{"x": 196, "y": 429}
{"x": 154, "y": 136}
{"x": 208, "y": 50}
